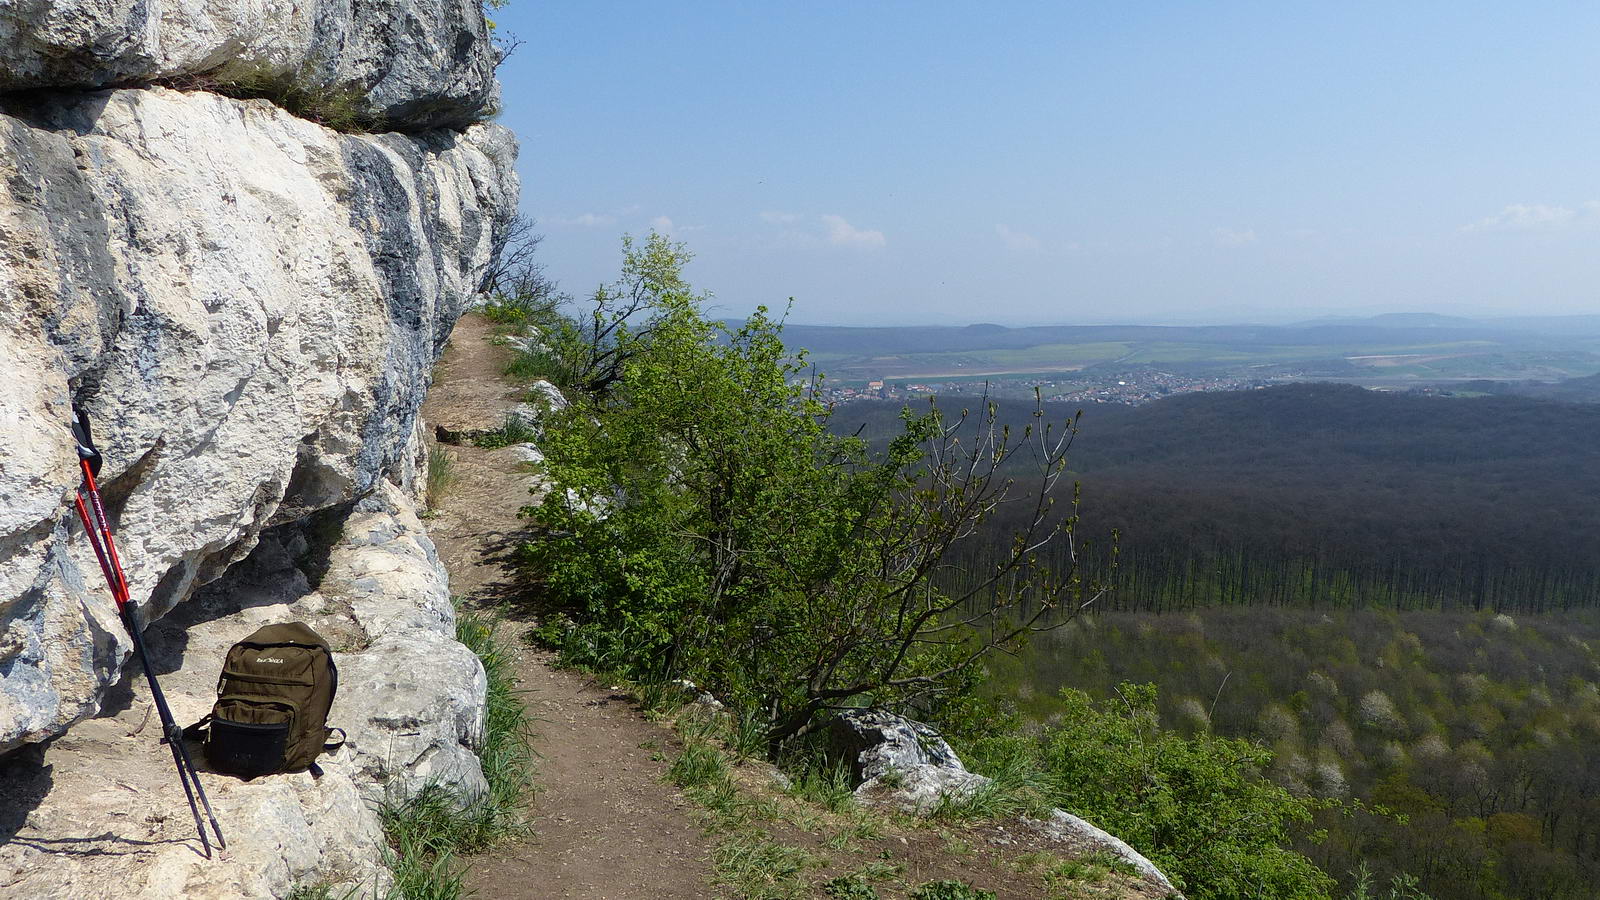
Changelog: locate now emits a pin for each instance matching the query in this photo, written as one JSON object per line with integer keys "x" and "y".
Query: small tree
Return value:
{"x": 707, "y": 523}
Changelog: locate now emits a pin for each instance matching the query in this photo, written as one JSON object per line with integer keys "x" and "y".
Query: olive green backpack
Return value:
{"x": 273, "y": 697}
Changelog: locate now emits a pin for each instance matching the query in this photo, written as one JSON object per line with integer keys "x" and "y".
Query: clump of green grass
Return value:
{"x": 849, "y": 887}
{"x": 506, "y": 753}
{"x": 441, "y": 474}
{"x": 513, "y": 430}
{"x": 320, "y": 890}
{"x": 429, "y": 830}
{"x": 759, "y": 867}
{"x": 699, "y": 764}
{"x": 302, "y": 92}
{"x": 746, "y": 858}
{"x": 827, "y": 784}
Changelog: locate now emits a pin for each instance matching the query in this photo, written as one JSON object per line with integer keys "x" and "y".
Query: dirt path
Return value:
{"x": 605, "y": 826}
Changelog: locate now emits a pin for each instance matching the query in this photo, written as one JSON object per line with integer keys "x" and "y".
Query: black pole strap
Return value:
{"x": 84, "y": 438}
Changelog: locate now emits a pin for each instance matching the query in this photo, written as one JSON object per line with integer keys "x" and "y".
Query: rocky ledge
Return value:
{"x": 99, "y": 812}
{"x": 414, "y": 64}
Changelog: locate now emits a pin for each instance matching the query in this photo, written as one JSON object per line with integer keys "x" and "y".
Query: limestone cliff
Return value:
{"x": 249, "y": 305}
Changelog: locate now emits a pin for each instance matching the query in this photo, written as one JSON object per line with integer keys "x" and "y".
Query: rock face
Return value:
{"x": 248, "y": 306}
{"x": 908, "y": 766}
{"x": 99, "y": 813}
{"x": 417, "y": 64}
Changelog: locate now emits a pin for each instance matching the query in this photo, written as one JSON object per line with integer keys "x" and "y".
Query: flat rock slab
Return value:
{"x": 99, "y": 812}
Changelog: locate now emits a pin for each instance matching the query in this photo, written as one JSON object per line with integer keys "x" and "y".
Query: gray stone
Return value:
{"x": 247, "y": 304}
{"x": 901, "y": 763}
{"x": 418, "y": 64}
{"x": 1084, "y": 837}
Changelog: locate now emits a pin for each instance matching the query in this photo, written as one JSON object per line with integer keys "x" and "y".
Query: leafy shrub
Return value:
{"x": 1198, "y": 807}
{"x": 779, "y": 565}
{"x": 849, "y": 887}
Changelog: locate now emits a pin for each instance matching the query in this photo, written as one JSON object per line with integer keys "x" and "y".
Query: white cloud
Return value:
{"x": 586, "y": 220}
{"x": 1524, "y": 217}
{"x": 844, "y": 234}
{"x": 779, "y": 218}
{"x": 1016, "y": 240}
{"x": 1231, "y": 237}
{"x": 661, "y": 224}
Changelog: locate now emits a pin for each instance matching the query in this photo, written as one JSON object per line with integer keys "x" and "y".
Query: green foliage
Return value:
{"x": 823, "y": 782}
{"x": 425, "y": 832}
{"x": 513, "y": 430}
{"x": 950, "y": 890}
{"x": 707, "y": 523}
{"x": 1477, "y": 780}
{"x": 321, "y": 891}
{"x": 1401, "y": 887}
{"x": 1198, "y": 807}
{"x": 506, "y": 754}
{"x": 699, "y": 764}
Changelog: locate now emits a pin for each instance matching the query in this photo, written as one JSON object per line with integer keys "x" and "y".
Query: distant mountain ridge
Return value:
{"x": 1400, "y": 328}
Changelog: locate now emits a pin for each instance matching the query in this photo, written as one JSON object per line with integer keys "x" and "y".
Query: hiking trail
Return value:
{"x": 604, "y": 824}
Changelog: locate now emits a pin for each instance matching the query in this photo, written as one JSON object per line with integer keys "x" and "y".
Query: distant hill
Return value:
{"x": 884, "y": 340}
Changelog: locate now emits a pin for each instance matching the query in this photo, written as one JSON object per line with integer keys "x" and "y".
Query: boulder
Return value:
{"x": 901, "y": 763}
{"x": 247, "y": 304}
{"x": 415, "y": 64}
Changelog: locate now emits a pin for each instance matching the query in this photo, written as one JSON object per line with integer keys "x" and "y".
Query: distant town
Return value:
{"x": 1130, "y": 387}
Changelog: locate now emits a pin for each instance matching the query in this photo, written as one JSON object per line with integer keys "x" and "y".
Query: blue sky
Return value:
{"x": 1071, "y": 162}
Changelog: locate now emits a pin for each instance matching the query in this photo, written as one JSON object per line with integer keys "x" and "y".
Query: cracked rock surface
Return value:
{"x": 247, "y": 304}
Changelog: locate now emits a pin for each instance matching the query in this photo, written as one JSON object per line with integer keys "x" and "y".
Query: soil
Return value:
{"x": 605, "y": 825}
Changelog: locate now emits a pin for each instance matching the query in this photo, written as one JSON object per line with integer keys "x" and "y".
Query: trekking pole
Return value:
{"x": 92, "y": 512}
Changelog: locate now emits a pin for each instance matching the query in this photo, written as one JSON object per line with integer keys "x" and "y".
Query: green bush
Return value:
{"x": 1198, "y": 807}
{"x": 706, "y": 522}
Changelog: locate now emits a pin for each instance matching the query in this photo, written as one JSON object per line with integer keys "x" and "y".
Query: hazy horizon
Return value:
{"x": 1046, "y": 163}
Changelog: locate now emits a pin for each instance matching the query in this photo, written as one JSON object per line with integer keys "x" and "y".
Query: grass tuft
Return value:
{"x": 441, "y": 474}
{"x": 514, "y": 430}
{"x": 302, "y": 93}
{"x": 699, "y": 764}
{"x": 950, "y": 890}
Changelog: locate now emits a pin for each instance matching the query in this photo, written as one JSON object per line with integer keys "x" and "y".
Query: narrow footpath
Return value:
{"x": 605, "y": 826}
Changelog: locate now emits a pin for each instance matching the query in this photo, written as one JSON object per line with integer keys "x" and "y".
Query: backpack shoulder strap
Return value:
{"x": 330, "y": 744}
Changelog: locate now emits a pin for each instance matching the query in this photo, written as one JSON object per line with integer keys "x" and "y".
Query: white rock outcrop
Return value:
{"x": 416, "y": 64}
{"x": 247, "y": 304}
{"x": 99, "y": 813}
